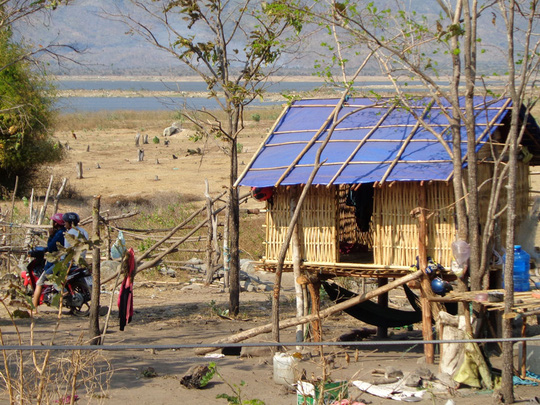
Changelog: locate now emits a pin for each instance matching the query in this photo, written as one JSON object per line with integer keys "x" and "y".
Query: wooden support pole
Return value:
{"x": 314, "y": 287}
{"x": 95, "y": 331}
{"x": 45, "y": 202}
{"x": 56, "y": 199}
{"x": 297, "y": 262}
{"x": 524, "y": 348}
{"x": 209, "y": 236}
{"x": 382, "y": 300}
{"x": 427, "y": 332}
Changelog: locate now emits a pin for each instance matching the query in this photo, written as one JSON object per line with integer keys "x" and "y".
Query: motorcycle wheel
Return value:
{"x": 84, "y": 309}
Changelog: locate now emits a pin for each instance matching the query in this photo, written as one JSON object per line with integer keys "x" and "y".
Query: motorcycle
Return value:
{"x": 77, "y": 289}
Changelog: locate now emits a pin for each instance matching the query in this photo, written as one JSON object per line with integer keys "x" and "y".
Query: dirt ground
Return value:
{"x": 173, "y": 166}
{"x": 168, "y": 314}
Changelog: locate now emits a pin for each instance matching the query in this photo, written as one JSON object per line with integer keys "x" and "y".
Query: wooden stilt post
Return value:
{"x": 382, "y": 300}
{"x": 297, "y": 260}
{"x": 427, "y": 332}
{"x": 314, "y": 287}
{"x": 94, "y": 329}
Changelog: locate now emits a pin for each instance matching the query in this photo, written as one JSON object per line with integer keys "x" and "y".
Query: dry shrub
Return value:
{"x": 38, "y": 377}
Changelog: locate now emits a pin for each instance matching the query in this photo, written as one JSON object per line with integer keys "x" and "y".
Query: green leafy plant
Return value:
{"x": 256, "y": 117}
{"x": 155, "y": 140}
{"x": 217, "y": 310}
{"x": 209, "y": 375}
{"x": 236, "y": 397}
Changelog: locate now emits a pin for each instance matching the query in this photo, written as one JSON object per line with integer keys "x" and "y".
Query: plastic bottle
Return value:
{"x": 522, "y": 265}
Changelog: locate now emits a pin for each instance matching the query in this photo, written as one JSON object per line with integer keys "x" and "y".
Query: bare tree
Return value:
{"x": 418, "y": 45}
{"x": 233, "y": 46}
{"x": 23, "y": 12}
{"x": 522, "y": 76}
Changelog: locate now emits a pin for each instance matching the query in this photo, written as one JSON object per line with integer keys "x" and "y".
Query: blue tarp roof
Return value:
{"x": 373, "y": 140}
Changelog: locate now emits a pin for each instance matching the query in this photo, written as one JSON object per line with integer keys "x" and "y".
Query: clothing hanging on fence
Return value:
{"x": 125, "y": 298}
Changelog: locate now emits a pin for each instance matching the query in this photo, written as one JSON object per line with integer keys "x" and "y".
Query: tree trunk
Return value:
{"x": 507, "y": 389}
{"x": 427, "y": 332}
{"x": 95, "y": 331}
{"x": 469, "y": 47}
{"x": 234, "y": 234}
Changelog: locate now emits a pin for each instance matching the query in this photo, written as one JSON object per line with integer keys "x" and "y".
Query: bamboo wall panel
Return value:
{"x": 318, "y": 224}
{"x": 396, "y": 234}
{"x": 441, "y": 226}
{"x": 395, "y": 241}
{"x": 278, "y": 216}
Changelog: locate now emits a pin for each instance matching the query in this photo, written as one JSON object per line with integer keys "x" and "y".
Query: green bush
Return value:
{"x": 26, "y": 115}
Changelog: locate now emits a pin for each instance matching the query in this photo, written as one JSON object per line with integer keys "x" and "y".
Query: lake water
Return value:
{"x": 68, "y": 105}
{"x": 83, "y": 104}
{"x": 172, "y": 86}
{"x": 89, "y": 104}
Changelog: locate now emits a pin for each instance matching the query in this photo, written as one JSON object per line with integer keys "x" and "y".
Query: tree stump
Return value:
{"x": 141, "y": 155}
{"x": 137, "y": 139}
{"x": 79, "y": 170}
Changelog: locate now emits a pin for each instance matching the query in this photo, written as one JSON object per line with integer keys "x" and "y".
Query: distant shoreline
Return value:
{"x": 148, "y": 78}
{"x": 273, "y": 79}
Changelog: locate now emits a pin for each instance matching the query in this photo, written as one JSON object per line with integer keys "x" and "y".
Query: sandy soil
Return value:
{"x": 173, "y": 166}
{"x": 167, "y": 314}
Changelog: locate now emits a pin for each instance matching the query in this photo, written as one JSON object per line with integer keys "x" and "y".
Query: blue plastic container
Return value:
{"x": 522, "y": 265}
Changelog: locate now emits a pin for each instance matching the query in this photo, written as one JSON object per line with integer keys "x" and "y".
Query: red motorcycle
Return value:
{"x": 77, "y": 288}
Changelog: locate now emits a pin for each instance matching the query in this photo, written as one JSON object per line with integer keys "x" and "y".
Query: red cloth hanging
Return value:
{"x": 125, "y": 298}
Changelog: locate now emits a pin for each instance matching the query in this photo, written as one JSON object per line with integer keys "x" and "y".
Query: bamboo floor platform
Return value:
{"x": 330, "y": 270}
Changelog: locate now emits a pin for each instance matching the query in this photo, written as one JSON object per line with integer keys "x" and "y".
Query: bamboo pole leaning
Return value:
{"x": 287, "y": 323}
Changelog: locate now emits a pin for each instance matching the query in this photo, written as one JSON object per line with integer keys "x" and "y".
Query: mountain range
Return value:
{"x": 108, "y": 48}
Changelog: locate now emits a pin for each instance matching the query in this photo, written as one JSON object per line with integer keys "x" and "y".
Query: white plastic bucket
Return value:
{"x": 285, "y": 369}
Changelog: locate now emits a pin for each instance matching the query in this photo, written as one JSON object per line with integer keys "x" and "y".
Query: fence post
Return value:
{"x": 95, "y": 332}
{"x": 209, "y": 235}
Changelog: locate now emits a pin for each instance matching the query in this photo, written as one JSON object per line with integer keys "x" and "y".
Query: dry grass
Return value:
{"x": 135, "y": 120}
{"x": 143, "y": 120}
